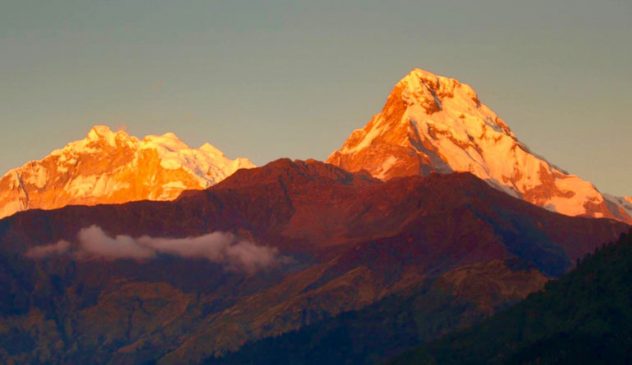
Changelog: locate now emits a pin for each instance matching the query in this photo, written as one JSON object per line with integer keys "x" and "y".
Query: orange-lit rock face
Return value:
{"x": 432, "y": 123}
{"x": 114, "y": 167}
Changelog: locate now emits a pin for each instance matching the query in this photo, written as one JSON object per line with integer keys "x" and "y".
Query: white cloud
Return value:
{"x": 39, "y": 252}
{"x": 94, "y": 243}
{"x": 218, "y": 247}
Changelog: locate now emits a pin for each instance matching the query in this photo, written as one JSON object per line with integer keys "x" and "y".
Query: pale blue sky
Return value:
{"x": 268, "y": 79}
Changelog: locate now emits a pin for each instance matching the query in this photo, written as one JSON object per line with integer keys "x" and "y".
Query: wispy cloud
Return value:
{"x": 218, "y": 247}
{"x": 94, "y": 243}
{"x": 48, "y": 250}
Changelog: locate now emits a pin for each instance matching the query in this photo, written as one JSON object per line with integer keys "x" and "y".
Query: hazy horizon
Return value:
{"x": 293, "y": 79}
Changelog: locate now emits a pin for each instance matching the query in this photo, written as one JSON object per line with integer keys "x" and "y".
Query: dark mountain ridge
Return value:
{"x": 583, "y": 318}
{"x": 352, "y": 241}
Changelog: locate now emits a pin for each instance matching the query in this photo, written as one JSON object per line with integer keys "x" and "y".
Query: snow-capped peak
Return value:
{"x": 99, "y": 131}
{"x": 427, "y": 83}
{"x": 168, "y": 140}
{"x": 103, "y": 132}
{"x": 210, "y": 149}
{"x": 114, "y": 167}
{"x": 433, "y": 123}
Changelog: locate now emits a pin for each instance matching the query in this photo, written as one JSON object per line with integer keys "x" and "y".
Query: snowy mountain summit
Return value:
{"x": 432, "y": 123}
{"x": 114, "y": 167}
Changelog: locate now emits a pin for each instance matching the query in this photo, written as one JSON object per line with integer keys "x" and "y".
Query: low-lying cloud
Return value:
{"x": 217, "y": 247}
{"x": 48, "y": 250}
{"x": 94, "y": 243}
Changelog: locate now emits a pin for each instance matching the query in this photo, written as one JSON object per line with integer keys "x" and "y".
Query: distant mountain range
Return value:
{"x": 431, "y": 219}
{"x": 429, "y": 123}
{"x": 114, "y": 167}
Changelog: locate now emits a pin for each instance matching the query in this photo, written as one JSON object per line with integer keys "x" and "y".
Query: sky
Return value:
{"x": 275, "y": 78}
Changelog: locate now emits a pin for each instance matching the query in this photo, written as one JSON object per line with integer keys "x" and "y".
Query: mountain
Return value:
{"x": 433, "y": 123}
{"x": 114, "y": 167}
{"x": 390, "y": 326}
{"x": 268, "y": 251}
{"x": 583, "y": 318}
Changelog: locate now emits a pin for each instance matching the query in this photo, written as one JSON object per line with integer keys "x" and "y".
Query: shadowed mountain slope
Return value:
{"x": 341, "y": 242}
{"x": 583, "y": 318}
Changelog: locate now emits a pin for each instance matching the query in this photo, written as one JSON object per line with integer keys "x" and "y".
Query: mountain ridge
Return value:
{"x": 584, "y": 317}
{"x": 353, "y": 240}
